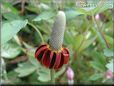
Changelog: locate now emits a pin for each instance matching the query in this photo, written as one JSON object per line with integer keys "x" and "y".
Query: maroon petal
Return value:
{"x": 46, "y": 58}
{"x": 65, "y": 54}
{"x": 40, "y": 51}
{"x": 57, "y": 61}
{"x": 40, "y": 48}
{"x": 61, "y": 62}
{"x": 53, "y": 58}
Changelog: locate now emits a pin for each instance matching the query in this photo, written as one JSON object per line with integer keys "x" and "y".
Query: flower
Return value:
{"x": 109, "y": 74}
{"x": 50, "y": 58}
{"x": 70, "y": 75}
{"x": 102, "y": 17}
{"x": 97, "y": 17}
{"x": 54, "y": 55}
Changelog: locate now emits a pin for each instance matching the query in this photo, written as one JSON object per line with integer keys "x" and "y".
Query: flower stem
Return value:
{"x": 100, "y": 34}
{"x": 37, "y": 31}
{"x": 52, "y": 76}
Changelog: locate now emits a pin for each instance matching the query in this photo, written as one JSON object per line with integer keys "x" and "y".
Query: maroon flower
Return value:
{"x": 50, "y": 58}
{"x": 53, "y": 55}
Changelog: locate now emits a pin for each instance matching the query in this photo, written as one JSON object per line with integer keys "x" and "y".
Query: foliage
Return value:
{"x": 90, "y": 41}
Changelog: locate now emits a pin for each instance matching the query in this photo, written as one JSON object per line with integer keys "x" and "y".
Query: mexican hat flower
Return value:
{"x": 54, "y": 55}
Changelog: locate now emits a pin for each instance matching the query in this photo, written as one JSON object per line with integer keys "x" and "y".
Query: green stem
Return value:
{"x": 37, "y": 31}
{"x": 103, "y": 41}
{"x": 5, "y": 75}
{"x": 52, "y": 76}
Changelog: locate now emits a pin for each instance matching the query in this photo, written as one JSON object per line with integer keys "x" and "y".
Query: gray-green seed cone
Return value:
{"x": 58, "y": 29}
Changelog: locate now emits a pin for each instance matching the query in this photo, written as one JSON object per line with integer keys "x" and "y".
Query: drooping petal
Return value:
{"x": 40, "y": 51}
{"x": 51, "y": 56}
{"x": 46, "y": 58}
{"x": 57, "y": 61}
{"x": 65, "y": 53}
{"x": 39, "y": 57}
{"x": 61, "y": 61}
{"x": 53, "y": 60}
{"x": 40, "y": 48}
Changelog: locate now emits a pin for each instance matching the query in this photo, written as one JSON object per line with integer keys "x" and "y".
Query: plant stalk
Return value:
{"x": 37, "y": 31}
{"x": 52, "y": 76}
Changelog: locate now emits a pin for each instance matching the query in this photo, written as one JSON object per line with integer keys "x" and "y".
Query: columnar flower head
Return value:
{"x": 54, "y": 55}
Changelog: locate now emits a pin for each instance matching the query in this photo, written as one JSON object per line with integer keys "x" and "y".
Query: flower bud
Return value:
{"x": 70, "y": 73}
{"x": 109, "y": 74}
{"x": 102, "y": 17}
{"x": 97, "y": 17}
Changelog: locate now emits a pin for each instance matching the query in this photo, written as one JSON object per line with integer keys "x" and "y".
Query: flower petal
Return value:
{"x": 53, "y": 58}
{"x": 40, "y": 47}
{"x": 40, "y": 51}
{"x": 58, "y": 59}
{"x": 46, "y": 58}
{"x": 65, "y": 53}
{"x": 61, "y": 62}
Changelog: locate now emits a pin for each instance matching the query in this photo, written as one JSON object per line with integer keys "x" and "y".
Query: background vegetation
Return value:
{"x": 89, "y": 37}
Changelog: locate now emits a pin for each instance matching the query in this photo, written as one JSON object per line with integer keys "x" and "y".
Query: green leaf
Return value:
{"x": 100, "y": 8}
{"x": 95, "y": 77}
{"x": 34, "y": 62}
{"x": 79, "y": 39}
{"x": 11, "y": 16}
{"x": 110, "y": 65}
{"x": 13, "y": 77}
{"x": 108, "y": 52}
{"x": 68, "y": 38}
{"x": 82, "y": 43}
{"x": 30, "y": 54}
{"x": 44, "y": 74}
{"x": 82, "y": 10}
{"x": 25, "y": 69}
{"x": 32, "y": 8}
{"x": 96, "y": 66}
{"x": 57, "y": 74}
{"x": 10, "y": 7}
{"x": 71, "y": 14}
{"x": 44, "y": 16}
{"x": 10, "y": 50}
{"x": 99, "y": 37}
{"x": 86, "y": 43}
{"x": 10, "y": 29}
{"x": 109, "y": 39}
{"x": 99, "y": 61}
